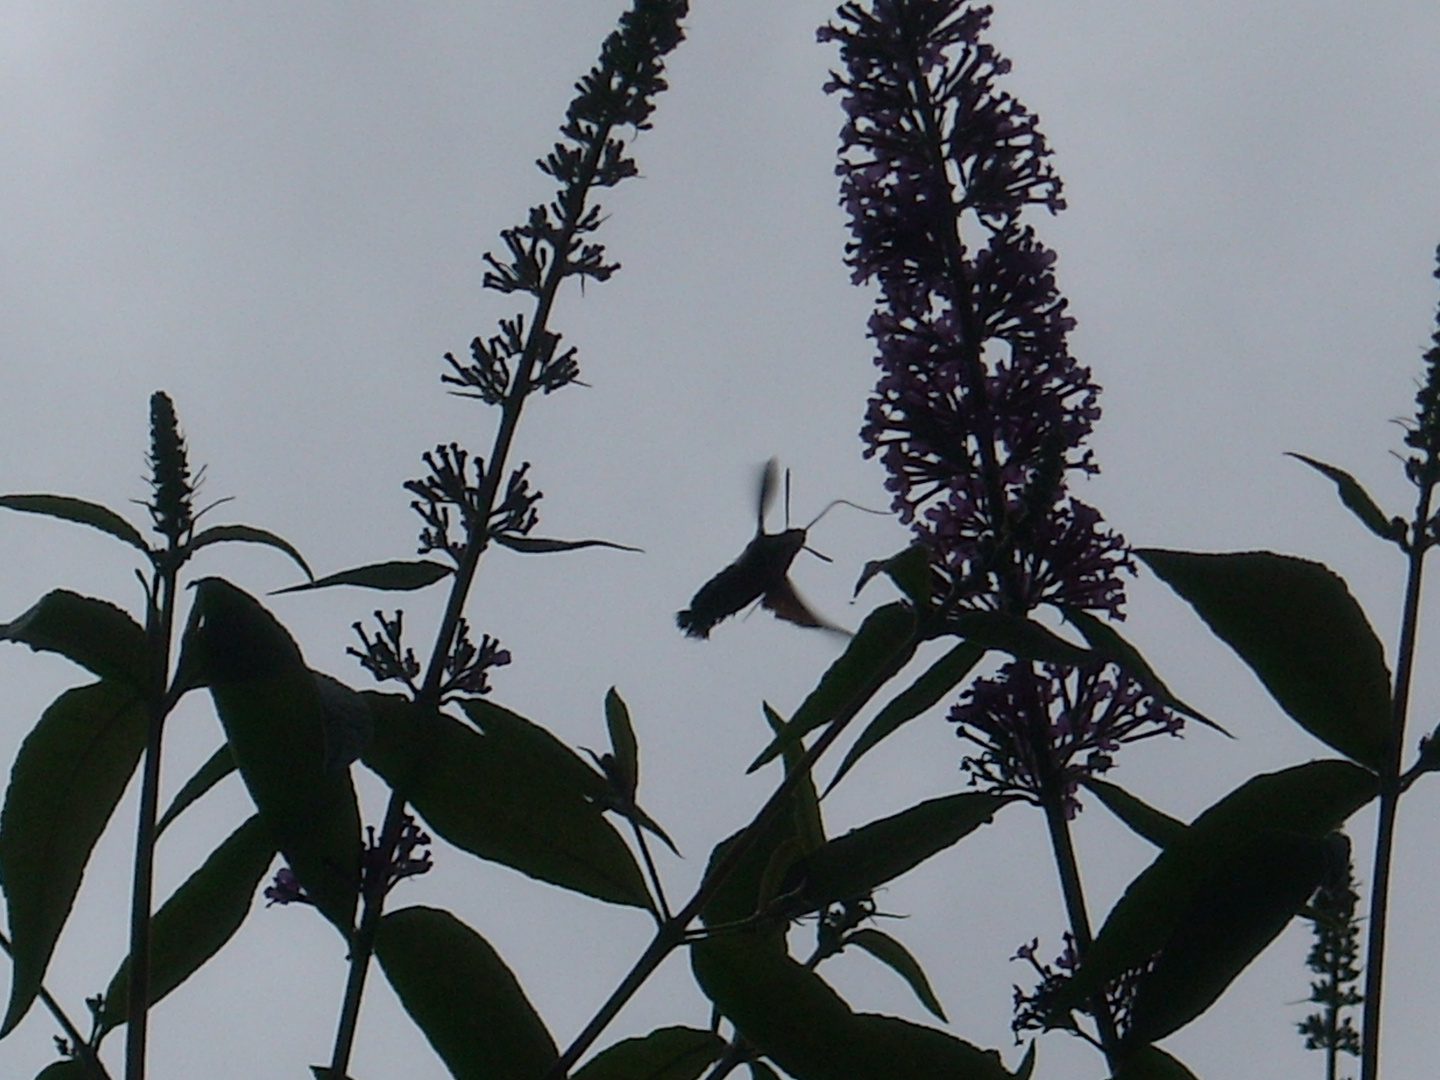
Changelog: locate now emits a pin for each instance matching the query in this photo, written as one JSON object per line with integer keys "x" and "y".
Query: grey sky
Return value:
{"x": 276, "y": 212}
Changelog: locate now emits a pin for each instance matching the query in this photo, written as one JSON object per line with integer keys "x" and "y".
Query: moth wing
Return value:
{"x": 769, "y": 477}
{"x": 785, "y": 602}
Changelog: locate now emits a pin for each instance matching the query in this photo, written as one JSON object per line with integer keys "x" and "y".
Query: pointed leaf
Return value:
{"x": 854, "y": 865}
{"x": 1106, "y": 641}
{"x": 1232, "y": 917}
{"x": 271, "y": 708}
{"x": 622, "y": 738}
{"x": 1297, "y": 626}
{"x": 397, "y": 575}
{"x": 217, "y": 766}
{"x": 196, "y": 922}
{"x": 509, "y": 795}
{"x": 941, "y": 678}
{"x": 79, "y": 511}
{"x": 882, "y": 645}
{"x": 1358, "y": 500}
{"x": 247, "y": 534}
{"x": 743, "y": 893}
{"x": 535, "y": 545}
{"x": 463, "y": 997}
{"x": 908, "y": 569}
{"x": 1152, "y": 1063}
{"x": 898, "y": 959}
{"x": 810, "y": 823}
{"x": 1018, "y": 636}
{"x": 93, "y": 633}
{"x": 1308, "y": 800}
{"x": 798, "y": 1021}
{"x": 67, "y": 779}
{"x": 1159, "y": 828}
{"x": 668, "y": 1053}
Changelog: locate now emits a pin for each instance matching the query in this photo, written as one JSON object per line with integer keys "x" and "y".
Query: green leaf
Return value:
{"x": 535, "y": 545}
{"x": 78, "y": 511}
{"x": 397, "y": 575}
{"x": 854, "y": 865}
{"x": 93, "y": 633}
{"x": 463, "y": 997}
{"x": 67, "y": 779}
{"x": 199, "y": 918}
{"x": 1232, "y": 917}
{"x": 896, "y": 957}
{"x": 668, "y": 1053}
{"x": 69, "y": 1069}
{"x": 271, "y": 708}
{"x": 798, "y": 1021}
{"x": 217, "y": 766}
{"x": 908, "y": 569}
{"x": 1018, "y": 636}
{"x": 1159, "y": 828}
{"x": 810, "y": 823}
{"x": 1297, "y": 626}
{"x": 1106, "y": 641}
{"x": 883, "y": 644}
{"x": 941, "y": 678}
{"x": 246, "y": 534}
{"x": 623, "y": 743}
{"x": 1358, "y": 500}
{"x": 509, "y": 795}
{"x": 1151, "y": 1063}
{"x": 1308, "y": 800}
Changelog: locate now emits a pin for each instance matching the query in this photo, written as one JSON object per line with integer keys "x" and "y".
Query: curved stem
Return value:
{"x": 1391, "y": 788}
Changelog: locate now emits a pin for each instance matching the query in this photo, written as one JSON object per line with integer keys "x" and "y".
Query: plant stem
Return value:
{"x": 82, "y": 1048}
{"x": 1391, "y": 788}
{"x": 159, "y": 622}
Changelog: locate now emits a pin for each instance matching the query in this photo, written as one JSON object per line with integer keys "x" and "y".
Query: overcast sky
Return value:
{"x": 276, "y": 212}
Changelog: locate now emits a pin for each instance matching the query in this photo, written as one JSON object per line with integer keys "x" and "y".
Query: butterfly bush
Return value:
{"x": 981, "y": 415}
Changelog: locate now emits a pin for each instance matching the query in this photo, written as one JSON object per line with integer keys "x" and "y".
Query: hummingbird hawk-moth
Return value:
{"x": 760, "y": 573}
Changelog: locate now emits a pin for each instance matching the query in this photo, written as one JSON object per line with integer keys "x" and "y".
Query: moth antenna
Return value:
{"x": 842, "y": 502}
{"x": 818, "y": 554}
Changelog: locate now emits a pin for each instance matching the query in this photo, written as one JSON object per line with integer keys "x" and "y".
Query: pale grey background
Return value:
{"x": 276, "y": 212}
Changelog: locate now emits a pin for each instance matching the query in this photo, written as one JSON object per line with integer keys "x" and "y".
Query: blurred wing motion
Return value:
{"x": 785, "y": 602}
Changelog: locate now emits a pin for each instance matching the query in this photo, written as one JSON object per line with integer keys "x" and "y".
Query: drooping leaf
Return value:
{"x": 199, "y": 918}
{"x": 1297, "y": 626}
{"x": 1358, "y": 501}
{"x": 1308, "y": 800}
{"x": 535, "y": 545}
{"x": 247, "y": 534}
{"x": 898, "y": 959}
{"x": 793, "y": 1016}
{"x": 623, "y": 743}
{"x": 1233, "y": 915}
{"x": 1018, "y": 636}
{"x": 668, "y": 1053}
{"x": 67, "y": 779}
{"x": 95, "y": 634}
{"x": 1151, "y": 1063}
{"x": 939, "y": 679}
{"x": 1107, "y": 642}
{"x": 271, "y": 708}
{"x": 852, "y": 866}
{"x": 79, "y": 511}
{"x": 501, "y": 796}
{"x": 217, "y": 766}
{"x": 883, "y": 644}
{"x": 908, "y": 569}
{"x": 1159, "y": 828}
{"x": 397, "y": 575}
{"x": 463, "y": 997}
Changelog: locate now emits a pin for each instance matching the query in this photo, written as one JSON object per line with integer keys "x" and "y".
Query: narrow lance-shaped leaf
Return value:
{"x": 464, "y": 998}
{"x": 247, "y": 534}
{"x": 397, "y": 575}
{"x": 80, "y": 512}
{"x": 1018, "y": 636}
{"x": 668, "y": 1053}
{"x": 623, "y": 743}
{"x": 199, "y": 918}
{"x": 883, "y": 644}
{"x": 217, "y": 766}
{"x": 908, "y": 569}
{"x": 536, "y": 545}
{"x": 1358, "y": 501}
{"x": 809, "y": 821}
{"x": 1297, "y": 626}
{"x": 898, "y": 959}
{"x": 1159, "y": 828}
{"x": 93, "y": 633}
{"x": 927, "y": 691}
{"x": 270, "y": 705}
{"x": 67, "y": 779}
